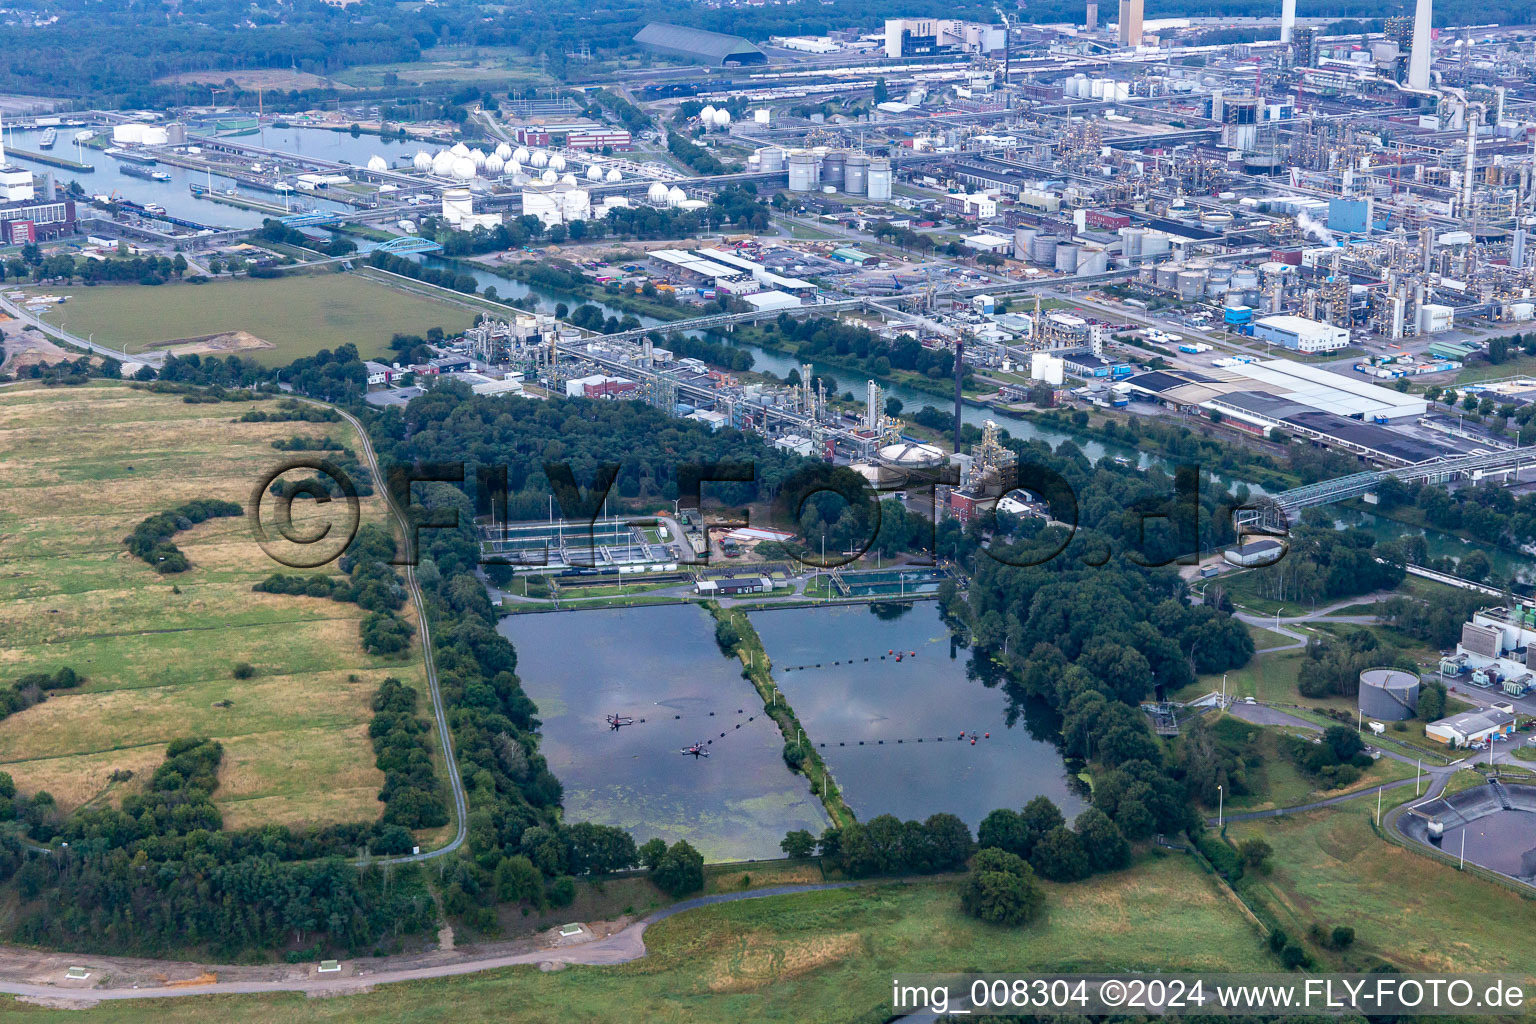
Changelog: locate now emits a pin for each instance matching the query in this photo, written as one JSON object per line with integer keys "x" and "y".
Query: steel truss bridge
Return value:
{"x": 1276, "y": 513}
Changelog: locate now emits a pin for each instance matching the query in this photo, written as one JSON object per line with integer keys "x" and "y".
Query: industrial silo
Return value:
{"x": 1131, "y": 239}
{"x": 1389, "y": 694}
{"x": 1066, "y": 259}
{"x": 1092, "y": 262}
{"x": 1191, "y": 284}
{"x": 772, "y": 159}
{"x": 856, "y": 175}
{"x": 1043, "y": 250}
{"x": 832, "y": 168}
{"x": 880, "y": 179}
{"x": 1167, "y": 277}
{"x": 803, "y": 168}
{"x": 1023, "y": 241}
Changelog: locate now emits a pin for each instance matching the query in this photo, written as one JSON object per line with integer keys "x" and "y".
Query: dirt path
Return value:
{"x": 41, "y": 976}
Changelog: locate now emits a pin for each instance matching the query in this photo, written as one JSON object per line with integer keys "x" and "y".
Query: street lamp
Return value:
{"x": 1221, "y": 801}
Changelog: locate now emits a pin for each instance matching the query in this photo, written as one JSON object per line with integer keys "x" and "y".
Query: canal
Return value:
{"x": 891, "y": 731}
{"x": 660, "y": 666}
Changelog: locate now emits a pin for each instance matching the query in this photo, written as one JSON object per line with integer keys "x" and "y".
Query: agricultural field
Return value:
{"x": 295, "y": 316}
{"x": 821, "y": 956}
{"x": 485, "y": 65}
{"x": 83, "y": 467}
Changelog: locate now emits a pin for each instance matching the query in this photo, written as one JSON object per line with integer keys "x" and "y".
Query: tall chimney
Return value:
{"x": 1418, "y": 56}
{"x": 1287, "y": 20}
{"x": 1092, "y": 22}
{"x": 959, "y": 399}
{"x": 1466, "y": 177}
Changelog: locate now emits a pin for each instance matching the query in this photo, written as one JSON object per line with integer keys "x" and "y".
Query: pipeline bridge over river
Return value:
{"x": 1276, "y": 513}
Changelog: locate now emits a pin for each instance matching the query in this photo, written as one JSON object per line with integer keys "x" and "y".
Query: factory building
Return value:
{"x": 1471, "y": 728}
{"x": 1497, "y": 648}
{"x": 1299, "y": 334}
{"x": 698, "y": 45}
{"x": 924, "y": 37}
{"x": 1130, "y": 22}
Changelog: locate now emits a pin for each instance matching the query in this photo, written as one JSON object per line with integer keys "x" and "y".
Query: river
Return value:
{"x": 891, "y": 731}
{"x": 659, "y": 665}
{"x": 176, "y": 195}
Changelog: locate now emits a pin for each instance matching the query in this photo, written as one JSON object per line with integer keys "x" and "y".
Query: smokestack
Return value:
{"x": 1418, "y": 56}
{"x": 1287, "y": 20}
{"x": 1092, "y": 23}
{"x": 959, "y": 372}
{"x": 1466, "y": 176}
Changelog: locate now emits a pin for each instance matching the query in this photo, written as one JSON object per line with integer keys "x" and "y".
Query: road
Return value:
{"x": 444, "y": 734}
{"x": 1263, "y": 714}
{"x": 32, "y": 320}
{"x": 621, "y": 947}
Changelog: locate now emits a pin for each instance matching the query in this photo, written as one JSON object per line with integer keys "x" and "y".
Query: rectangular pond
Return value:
{"x": 891, "y": 731}
{"x": 661, "y": 667}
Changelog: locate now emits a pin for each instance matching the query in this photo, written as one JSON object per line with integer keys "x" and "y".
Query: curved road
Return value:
{"x": 32, "y": 320}
{"x": 618, "y": 948}
{"x": 455, "y": 783}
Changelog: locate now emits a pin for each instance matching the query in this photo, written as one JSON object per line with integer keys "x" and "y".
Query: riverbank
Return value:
{"x": 1174, "y": 439}
{"x": 772, "y": 342}
{"x": 757, "y": 668}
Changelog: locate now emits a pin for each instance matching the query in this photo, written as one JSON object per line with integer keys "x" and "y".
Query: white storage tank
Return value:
{"x": 1093, "y": 262}
{"x": 856, "y": 175}
{"x": 1191, "y": 284}
{"x": 657, "y": 193}
{"x": 771, "y": 159}
{"x": 1066, "y": 259}
{"x": 804, "y": 170}
{"x": 1043, "y": 250}
{"x": 880, "y": 179}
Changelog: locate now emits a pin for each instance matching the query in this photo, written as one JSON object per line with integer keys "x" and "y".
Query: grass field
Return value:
{"x": 299, "y": 314}
{"x": 1278, "y": 782}
{"x": 1331, "y": 868}
{"x": 83, "y": 467}
{"x": 824, "y": 956}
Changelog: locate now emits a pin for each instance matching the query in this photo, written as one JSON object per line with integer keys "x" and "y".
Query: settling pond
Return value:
{"x": 929, "y": 697}
{"x": 659, "y": 664}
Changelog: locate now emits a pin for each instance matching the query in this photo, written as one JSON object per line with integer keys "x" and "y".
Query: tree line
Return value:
{"x": 151, "y": 542}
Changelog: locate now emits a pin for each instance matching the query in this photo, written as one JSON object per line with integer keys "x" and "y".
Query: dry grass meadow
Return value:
{"x": 83, "y": 466}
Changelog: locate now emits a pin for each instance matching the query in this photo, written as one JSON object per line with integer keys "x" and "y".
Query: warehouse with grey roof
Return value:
{"x": 696, "y": 44}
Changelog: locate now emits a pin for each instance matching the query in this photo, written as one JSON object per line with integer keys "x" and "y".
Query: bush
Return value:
{"x": 1342, "y": 937}
{"x": 1293, "y": 956}
{"x": 1001, "y": 889}
{"x": 680, "y": 871}
{"x": 243, "y": 670}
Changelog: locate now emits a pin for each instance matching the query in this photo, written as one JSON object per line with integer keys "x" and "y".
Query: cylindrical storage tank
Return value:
{"x": 833, "y": 166}
{"x": 1131, "y": 241}
{"x": 1096, "y": 262}
{"x": 1043, "y": 250}
{"x": 1066, "y": 259}
{"x": 856, "y": 175}
{"x": 802, "y": 172}
{"x": 1167, "y": 277}
{"x": 1389, "y": 694}
{"x": 771, "y": 159}
{"x": 880, "y": 179}
{"x": 1191, "y": 284}
{"x": 1244, "y": 279}
{"x": 1023, "y": 241}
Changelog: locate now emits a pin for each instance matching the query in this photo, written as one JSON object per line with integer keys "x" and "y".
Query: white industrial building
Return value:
{"x": 459, "y": 211}
{"x": 1299, "y": 334}
{"x": 1471, "y": 727}
{"x": 765, "y": 300}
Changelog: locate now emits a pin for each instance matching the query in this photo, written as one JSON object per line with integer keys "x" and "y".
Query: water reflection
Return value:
{"x": 867, "y": 717}
{"x": 660, "y": 665}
